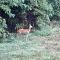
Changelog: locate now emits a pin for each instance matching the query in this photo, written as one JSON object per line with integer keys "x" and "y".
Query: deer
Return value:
{"x": 25, "y": 31}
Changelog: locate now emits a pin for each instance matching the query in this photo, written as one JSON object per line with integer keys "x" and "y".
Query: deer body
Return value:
{"x": 25, "y": 31}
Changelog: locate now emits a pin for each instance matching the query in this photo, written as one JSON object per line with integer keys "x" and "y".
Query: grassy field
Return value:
{"x": 32, "y": 48}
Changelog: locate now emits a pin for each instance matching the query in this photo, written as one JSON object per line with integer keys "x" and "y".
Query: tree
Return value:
{"x": 14, "y": 11}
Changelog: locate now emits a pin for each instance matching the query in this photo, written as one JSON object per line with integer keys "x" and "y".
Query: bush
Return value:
{"x": 43, "y": 11}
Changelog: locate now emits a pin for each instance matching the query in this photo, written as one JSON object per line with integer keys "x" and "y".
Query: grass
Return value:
{"x": 40, "y": 45}
{"x": 33, "y": 49}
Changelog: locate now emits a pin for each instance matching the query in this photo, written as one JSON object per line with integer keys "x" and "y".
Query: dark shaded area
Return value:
{"x": 3, "y": 14}
{"x": 27, "y": 1}
{"x": 26, "y": 18}
{"x": 10, "y": 24}
{"x": 31, "y": 18}
{"x": 15, "y": 9}
{"x": 18, "y": 13}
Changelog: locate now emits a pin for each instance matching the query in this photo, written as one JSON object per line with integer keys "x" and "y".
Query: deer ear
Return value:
{"x": 31, "y": 26}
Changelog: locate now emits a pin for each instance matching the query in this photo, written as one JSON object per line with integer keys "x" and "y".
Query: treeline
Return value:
{"x": 35, "y": 12}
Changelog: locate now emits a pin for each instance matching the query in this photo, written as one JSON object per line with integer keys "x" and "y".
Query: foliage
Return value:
{"x": 2, "y": 27}
{"x": 43, "y": 9}
{"x": 56, "y": 6}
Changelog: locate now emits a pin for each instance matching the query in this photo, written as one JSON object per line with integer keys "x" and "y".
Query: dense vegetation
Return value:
{"x": 16, "y": 13}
